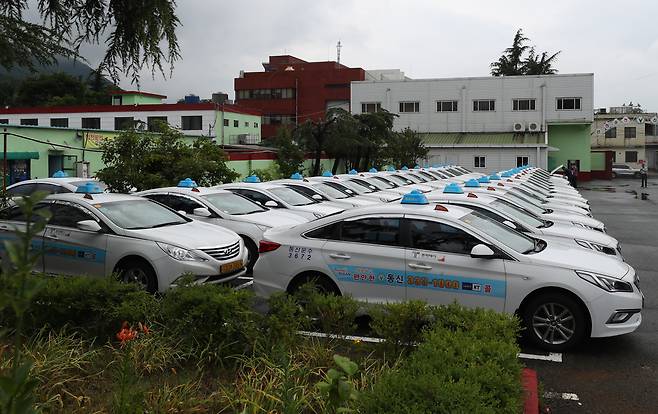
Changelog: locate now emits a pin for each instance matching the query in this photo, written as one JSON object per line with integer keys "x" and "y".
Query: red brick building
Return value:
{"x": 290, "y": 90}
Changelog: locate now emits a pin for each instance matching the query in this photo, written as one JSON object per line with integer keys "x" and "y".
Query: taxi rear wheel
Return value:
{"x": 554, "y": 322}
{"x": 320, "y": 282}
{"x": 140, "y": 272}
{"x": 252, "y": 254}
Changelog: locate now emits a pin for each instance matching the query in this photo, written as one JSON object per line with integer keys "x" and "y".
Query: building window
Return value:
{"x": 59, "y": 122}
{"x": 117, "y": 100}
{"x": 370, "y": 107}
{"x": 91, "y": 123}
{"x": 236, "y": 123}
{"x": 479, "y": 162}
{"x": 255, "y": 124}
{"x": 124, "y": 122}
{"x": 523, "y": 104}
{"x": 155, "y": 123}
{"x": 631, "y": 156}
{"x": 277, "y": 93}
{"x": 278, "y": 119}
{"x": 649, "y": 129}
{"x": 484, "y": 105}
{"x": 4, "y": 121}
{"x": 246, "y": 124}
{"x": 611, "y": 133}
{"x": 226, "y": 121}
{"x": 191, "y": 123}
{"x": 568, "y": 104}
{"x": 30, "y": 121}
{"x": 629, "y": 132}
{"x": 446, "y": 106}
{"x": 521, "y": 161}
{"x": 409, "y": 107}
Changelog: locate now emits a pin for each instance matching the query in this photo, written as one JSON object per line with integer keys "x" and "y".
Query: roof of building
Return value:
{"x": 152, "y": 95}
{"x": 482, "y": 139}
{"x": 203, "y": 106}
{"x": 466, "y": 78}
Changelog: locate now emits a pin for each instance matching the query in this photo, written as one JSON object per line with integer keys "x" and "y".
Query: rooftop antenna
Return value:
{"x": 338, "y": 47}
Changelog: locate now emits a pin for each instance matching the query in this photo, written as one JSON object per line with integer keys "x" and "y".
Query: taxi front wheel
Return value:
{"x": 137, "y": 271}
{"x": 554, "y": 322}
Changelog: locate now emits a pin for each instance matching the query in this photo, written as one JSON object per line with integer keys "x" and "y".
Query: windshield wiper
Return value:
{"x": 533, "y": 248}
{"x": 169, "y": 223}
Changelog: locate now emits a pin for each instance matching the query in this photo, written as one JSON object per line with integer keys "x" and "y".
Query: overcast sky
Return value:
{"x": 616, "y": 41}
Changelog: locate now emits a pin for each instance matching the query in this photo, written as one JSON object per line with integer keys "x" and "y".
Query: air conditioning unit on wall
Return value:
{"x": 534, "y": 127}
{"x": 519, "y": 127}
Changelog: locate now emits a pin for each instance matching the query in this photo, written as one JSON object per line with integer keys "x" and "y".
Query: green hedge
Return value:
{"x": 466, "y": 363}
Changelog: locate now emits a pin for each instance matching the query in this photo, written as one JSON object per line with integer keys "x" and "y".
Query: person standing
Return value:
{"x": 644, "y": 175}
{"x": 574, "y": 174}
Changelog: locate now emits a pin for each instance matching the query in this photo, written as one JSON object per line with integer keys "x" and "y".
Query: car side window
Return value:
{"x": 329, "y": 232}
{"x": 16, "y": 214}
{"x": 179, "y": 203}
{"x": 253, "y": 195}
{"x": 305, "y": 190}
{"x": 21, "y": 190}
{"x": 431, "y": 235}
{"x": 380, "y": 230}
{"x": 51, "y": 188}
{"x": 67, "y": 215}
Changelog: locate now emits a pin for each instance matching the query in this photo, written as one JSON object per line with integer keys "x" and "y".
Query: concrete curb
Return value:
{"x": 530, "y": 392}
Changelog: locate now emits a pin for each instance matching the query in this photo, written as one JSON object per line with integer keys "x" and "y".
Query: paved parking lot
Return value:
{"x": 616, "y": 375}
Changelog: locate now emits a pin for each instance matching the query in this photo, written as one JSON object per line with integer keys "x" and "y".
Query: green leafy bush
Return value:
{"x": 215, "y": 321}
{"x": 284, "y": 319}
{"x": 97, "y": 306}
{"x": 455, "y": 370}
{"x": 401, "y": 324}
{"x": 332, "y": 314}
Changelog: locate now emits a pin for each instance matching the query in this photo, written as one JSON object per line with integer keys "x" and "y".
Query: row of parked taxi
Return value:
{"x": 519, "y": 241}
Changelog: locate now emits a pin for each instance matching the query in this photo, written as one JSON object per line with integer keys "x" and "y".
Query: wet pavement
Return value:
{"x": 620, "y": 374}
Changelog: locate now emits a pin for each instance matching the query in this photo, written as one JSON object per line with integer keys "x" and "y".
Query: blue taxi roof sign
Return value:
{"x": 390, "y": 168}
{"x": 405, "y": 168}
{"x": 353, "y": 172}
{"x": 414, "y": 197}
{"x": 373, "y": 170}
{"x": 296, "y": 176}
{"x": 484, "y": 180}
{"x": 472, "y": 183}
{"x": 60, "y": 174}
{"x": 187, "y": 183}
{"x": 89, "y": 188}
{"x": 494, "y": 176}
{"x": 327, "y": 173}
{"x": 252, "y": 179}
{"x": 453, "y": 188}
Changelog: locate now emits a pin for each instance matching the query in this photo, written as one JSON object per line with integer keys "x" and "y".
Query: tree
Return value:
{"x": 136, "y": 161}
{"x": 376, "y": 130}
{"x": 405, "y": 148}
{"x": 135, "y": 32}
{"x": 512, "y": 63}
{"x": 290, "y": 157}
{"x": 55, "y": 89}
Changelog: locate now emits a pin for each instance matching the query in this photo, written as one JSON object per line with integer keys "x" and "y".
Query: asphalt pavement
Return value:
{"x": 615, "y": 375}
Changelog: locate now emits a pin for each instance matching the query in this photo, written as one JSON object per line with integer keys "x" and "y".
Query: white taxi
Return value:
{"x": 226, "y": 209}
{"x": 100, "y": 234}
{"x": 441, "y": 254}
{"x": 60, "y": 182}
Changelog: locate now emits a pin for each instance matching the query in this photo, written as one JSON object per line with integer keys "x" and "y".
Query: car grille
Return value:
{"x": 224, "y": 252}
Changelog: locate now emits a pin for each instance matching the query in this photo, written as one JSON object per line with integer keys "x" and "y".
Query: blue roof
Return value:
{"x": 414, "y": 198}
{"x": 89, "y": 188}
{"x": 252, "y": 179}
{"x": 453, "y": 188}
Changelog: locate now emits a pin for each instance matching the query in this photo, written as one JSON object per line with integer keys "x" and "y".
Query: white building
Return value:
{"x": 546, "y": 118}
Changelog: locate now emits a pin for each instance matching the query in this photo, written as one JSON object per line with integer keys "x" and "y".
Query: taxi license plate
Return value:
{"x": 230, "y": 267}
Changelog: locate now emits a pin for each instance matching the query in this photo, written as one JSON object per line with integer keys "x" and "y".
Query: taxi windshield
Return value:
{"x": 387, "y": 184}
{"x": 534, "y": 209}
{"x": 331, "y": 191}
{"x": 401, "y": 180}
{"x": 357, "y": 188}
{"x": 291, "y": 196}
{"x": 139, "y": 214}
{"x": 516, "y": 241}
{"x": 233, "y": 204}
{"x": 370, "y": 186}
{"x": 517, "y": 213}
{"x": 418, "y": 178}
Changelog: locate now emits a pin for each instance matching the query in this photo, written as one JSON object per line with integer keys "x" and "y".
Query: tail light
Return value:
{"x": 267, "y": 246}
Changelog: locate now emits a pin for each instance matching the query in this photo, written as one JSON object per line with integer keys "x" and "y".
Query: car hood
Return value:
{"x": 321, "y": 208}
{"x": 578, "y": 218}
{"x": 192, "y": 235}
{"x": 271, "y": 218}
{"x": 564, "y": 256}
{"x": 565, "y": 208}
{"x": 575, "y": 232}
{"x": 572, "y": 244}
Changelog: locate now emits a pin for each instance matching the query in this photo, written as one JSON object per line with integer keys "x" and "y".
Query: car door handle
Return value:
{"x": 339, "y": 256}
{"x": 419, "y": 266}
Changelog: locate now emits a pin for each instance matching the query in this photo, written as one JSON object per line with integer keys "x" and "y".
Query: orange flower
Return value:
{"x": 145, "y": 329}
{"x": 126, "y": 333}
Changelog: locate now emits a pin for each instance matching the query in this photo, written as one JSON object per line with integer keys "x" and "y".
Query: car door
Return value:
{"x": 440, "y": 269}
{"x": 367, "y": 258}
{"x": 13, "y": 219}
{"x": 69, "y": 250}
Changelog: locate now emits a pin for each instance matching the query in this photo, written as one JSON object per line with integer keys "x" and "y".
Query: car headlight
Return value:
{"x": 179, "y": 253}
{"x": 318, "y": 215}
{"x": 607, "y": 283}
{"x": 383, "y": 199}
{"x": 575, "y": 223}
{"x": 263, "y": 228}
{"x": 595, "y": 246}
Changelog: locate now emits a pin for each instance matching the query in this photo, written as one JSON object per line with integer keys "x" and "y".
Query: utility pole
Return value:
{"x": 4, "y": 162}
{"x": 338, "y": 47}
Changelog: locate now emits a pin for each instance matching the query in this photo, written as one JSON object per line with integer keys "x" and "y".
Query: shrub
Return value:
{"x": 455, "y": 370}
{"x": 97, "y": 306}
{"x": 400, "y": 324}
{"x": 284, "y": 319}
{"x": 333, "y": 314}
{"x": 212, "y": 321}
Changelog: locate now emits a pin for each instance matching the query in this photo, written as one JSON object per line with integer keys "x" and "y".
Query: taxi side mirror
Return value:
{"x": 482, "y": 251}
{"x": 509, "y": 224}
{"x": 89, "y": 225}
{"x": 317, "y": 197}
{"x": 271, "y": 204}
{"x": 201, "y": 212}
